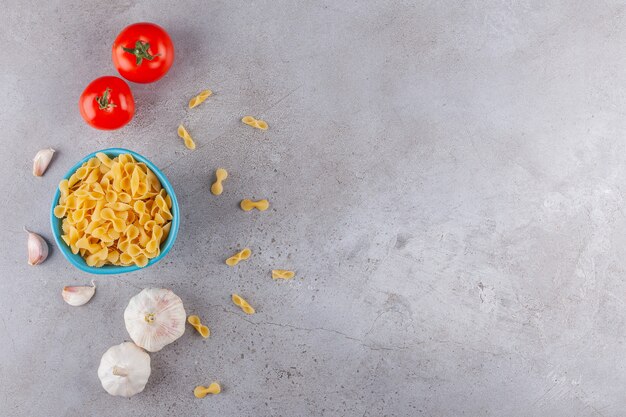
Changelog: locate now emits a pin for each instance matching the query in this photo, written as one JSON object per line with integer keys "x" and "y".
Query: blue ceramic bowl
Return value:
{"x": 78, "y": 260}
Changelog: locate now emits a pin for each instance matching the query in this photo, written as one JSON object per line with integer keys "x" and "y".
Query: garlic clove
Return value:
{"x": 78, "y": 295}
{"x": 37, "y": 248}
{"x": 41, "y": 161}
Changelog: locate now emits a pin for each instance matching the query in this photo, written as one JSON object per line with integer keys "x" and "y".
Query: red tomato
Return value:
{"x": 143, "y": 52}
{"x": 107, "y": 103}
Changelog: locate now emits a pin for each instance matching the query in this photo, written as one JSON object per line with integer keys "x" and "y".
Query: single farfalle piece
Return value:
{"x": 243, "y": 304}
{"x": 197, "y": 324}
{"x": 282, "y": 274}
{"x": 203, "y": 95}
{"x": 189, "y": 143}
{"x": 247, "y": 205}
{"x": 201, "y": 392}
{"x": 124, "y": 370}
{"x": 238, "y": 257}
{"x": 256, "y": 123}
{"x": 155, "y": 318}
{"x": 220, "y": 175}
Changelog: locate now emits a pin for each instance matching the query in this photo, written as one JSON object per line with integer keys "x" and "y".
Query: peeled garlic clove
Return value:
{"x": 37, "y": 248}
{"x": 41, "y": 161}
{"x": 79, "y": 295}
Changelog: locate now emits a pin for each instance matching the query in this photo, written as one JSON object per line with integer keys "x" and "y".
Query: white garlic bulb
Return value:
{"x": 124, "y": 369}
{"x": 154, "y": 318}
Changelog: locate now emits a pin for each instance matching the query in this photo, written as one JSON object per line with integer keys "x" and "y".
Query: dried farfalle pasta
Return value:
{"x": 114, "y": 211}
{"x": 189, "y": 143}
{"x": 282, "y": 274}
{"x": 197, "y": 324}
{"x": 261, "y": 205}
{"x": 220, "y": 175}
{"x": 238, "y": 257}
{"x": 203, "y": 95}
{"x": 257, "y": 123}
{"x": 243, "y": 304}
{"x": 201, "y": 392}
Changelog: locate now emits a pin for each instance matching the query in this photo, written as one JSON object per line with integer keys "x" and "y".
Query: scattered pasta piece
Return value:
{"x": 251, "y": 121}
{"x": 261, "y": 205}
{"x": 189, "y": 143}
{"x": 243, "y": 304}
{"x": 239, "y": 256}
{"x": 282, "y": 274}
{"x": 221, "y": 174}
{"x": 203, "y": 95}
{"x": 114, "y": 212}
{"x": 201, "y": 328}
{"x": 201, "y": 392}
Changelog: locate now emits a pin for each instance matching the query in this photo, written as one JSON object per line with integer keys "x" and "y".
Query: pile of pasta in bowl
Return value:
{"x": 114, "y": 211}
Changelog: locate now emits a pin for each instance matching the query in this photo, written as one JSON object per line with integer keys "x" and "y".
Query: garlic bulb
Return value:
{"x": 124, "y": 369}
{"x": 37, "y": 248}
{"x": 41, "y": 161}
{"x": 77, "y": 296}
{"x": 154, "y": 318}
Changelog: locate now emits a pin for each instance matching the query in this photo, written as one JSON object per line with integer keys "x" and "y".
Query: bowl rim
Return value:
{"x": 77, "y": 260}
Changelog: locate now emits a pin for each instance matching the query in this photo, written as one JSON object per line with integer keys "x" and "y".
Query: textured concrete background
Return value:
{"x": 447, "y": 179}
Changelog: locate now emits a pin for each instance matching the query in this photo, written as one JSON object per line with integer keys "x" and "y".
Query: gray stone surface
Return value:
{"x": 447, "y": 179}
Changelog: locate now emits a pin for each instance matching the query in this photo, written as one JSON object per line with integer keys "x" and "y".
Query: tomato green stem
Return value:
{"x": 104, "y": 102}
{"x": 141, "y": 52}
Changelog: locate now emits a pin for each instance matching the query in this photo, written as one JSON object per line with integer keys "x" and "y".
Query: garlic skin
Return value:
{"x": 124, "y": 370}
{"x": 78, "y": 295}
{"x": 154, "y": 318}
{"x": 41, "y": 161}
{"x": 37, "y": 248}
